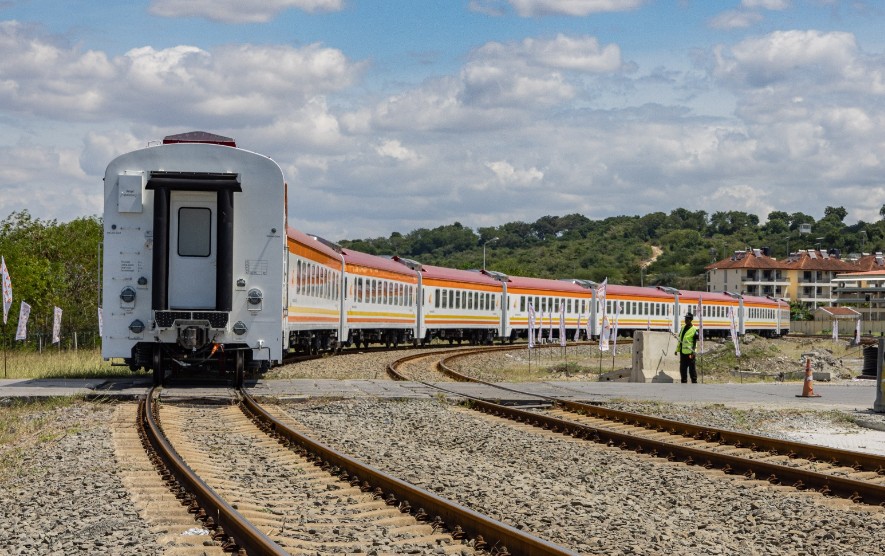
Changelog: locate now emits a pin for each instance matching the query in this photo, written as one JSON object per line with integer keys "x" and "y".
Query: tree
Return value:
{"x": 838, "y": 213}
{"x": 54, "y": 265}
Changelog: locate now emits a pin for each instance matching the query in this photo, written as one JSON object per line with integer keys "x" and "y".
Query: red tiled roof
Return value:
{"x": 839, "y": 311}
{"x": 797, "y": 261}
{"x": 871, "y": 262}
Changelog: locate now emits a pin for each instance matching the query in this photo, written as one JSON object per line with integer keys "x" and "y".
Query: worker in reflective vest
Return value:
{"x": 685, "y": 349}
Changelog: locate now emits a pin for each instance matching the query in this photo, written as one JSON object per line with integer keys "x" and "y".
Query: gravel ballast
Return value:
{"x": 64, "y": 496}
{"x": 591, "y": 498}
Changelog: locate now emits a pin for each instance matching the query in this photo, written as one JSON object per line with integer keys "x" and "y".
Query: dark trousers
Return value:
{"x": 687, "y": 367}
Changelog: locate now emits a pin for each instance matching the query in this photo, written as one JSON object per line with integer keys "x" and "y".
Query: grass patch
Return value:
{"x": 51, "y": 363}
{"x": 26, "y": 423}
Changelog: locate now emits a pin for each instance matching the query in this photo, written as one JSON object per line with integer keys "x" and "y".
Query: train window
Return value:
{"x": 194, "y": 232}
{"x": 437, "y": 302}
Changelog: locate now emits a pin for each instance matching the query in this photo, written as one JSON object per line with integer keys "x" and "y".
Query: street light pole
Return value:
{"x": 740, "y": 299}
{"x": 675, "y": 293}
{"x": 484, "y": 251}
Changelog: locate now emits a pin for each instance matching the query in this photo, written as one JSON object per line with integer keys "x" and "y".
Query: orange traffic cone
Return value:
{"x": 808, "y": 386}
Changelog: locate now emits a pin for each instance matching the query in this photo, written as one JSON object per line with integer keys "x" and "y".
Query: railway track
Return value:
{"x": 261, "y": 487}
{"x": 852, "y": 475}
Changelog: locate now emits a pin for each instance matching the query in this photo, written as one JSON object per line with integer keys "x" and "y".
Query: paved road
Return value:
{"x": 847, "y": 395}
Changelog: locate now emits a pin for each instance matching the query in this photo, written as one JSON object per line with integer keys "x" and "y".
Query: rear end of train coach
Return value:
{"x": 194, "y": 257}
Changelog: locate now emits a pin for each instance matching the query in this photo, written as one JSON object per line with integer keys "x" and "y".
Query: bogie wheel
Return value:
{"x": 157, "y": 363}
{"x": 239, "y": 368}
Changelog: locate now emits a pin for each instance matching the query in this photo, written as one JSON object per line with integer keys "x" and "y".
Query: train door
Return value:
{"x": 193, "y": 258}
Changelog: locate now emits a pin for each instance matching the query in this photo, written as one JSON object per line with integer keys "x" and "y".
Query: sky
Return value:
{"x": 393, "y": 115}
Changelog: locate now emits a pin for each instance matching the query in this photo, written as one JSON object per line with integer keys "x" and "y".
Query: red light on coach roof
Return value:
{"x": 199, "y": 137}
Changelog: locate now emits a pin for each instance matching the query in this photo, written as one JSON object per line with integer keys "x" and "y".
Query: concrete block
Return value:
{"x": 653, "y": 358}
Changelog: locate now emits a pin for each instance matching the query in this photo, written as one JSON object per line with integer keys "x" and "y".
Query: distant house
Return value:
{"x": 836, "y": 313}
{"x": 865, "y": 289}
{"x": 806, "y": 275}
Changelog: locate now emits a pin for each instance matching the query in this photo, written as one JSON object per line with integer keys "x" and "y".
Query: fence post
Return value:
{"x": 879, "y": 405}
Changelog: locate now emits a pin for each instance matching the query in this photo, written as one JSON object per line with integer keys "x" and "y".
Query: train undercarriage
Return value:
{"x": 228, "y": 360}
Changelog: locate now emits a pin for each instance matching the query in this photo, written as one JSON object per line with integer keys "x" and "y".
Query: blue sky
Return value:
{"x": 394, "y": 115}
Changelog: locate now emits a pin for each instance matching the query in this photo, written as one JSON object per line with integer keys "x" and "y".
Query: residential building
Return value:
{"x": 864, "y": 289}
{"x": 807, "y": 275}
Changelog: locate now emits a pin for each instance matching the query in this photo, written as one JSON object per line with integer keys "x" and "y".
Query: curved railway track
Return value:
{"x": 373, "y": 495}
{"x": 853, "y": 475}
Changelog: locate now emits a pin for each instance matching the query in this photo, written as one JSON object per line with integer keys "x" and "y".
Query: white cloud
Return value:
{"x": 743, "y": 197}
{"x": 530, "y": 8}
{"x": 785, "y": 56}
{"x": 180, "y": 84}
{"x": 735, "y": 19}
{"x": 394, "y": 149}
{"x": 500, "y": 85}
{"x": 507, "y": 174}
{"x": 239, "y": 11}
{"x": 766, "y": 4}
{"x": 47, "y": 182}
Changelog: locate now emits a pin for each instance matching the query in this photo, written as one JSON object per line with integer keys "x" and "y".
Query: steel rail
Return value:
{"x": 857, "y": 491}
{"x": 858, "y": 461}
{"x": 497, "y": 537}
{"x": 219, "y": 512}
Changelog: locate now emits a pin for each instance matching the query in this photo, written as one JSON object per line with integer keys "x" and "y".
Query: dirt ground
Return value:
{"x": 761, "y": 359}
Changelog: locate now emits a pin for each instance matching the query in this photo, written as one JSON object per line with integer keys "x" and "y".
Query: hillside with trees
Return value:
{"x": 57, "y": 264}
{"x": 655, "y": 249}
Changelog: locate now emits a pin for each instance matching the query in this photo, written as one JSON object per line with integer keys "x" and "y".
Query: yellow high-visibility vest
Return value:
{"x": 687, "y": 339}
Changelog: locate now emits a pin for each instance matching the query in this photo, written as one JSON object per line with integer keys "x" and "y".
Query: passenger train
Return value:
{"x": 201, "y": 269}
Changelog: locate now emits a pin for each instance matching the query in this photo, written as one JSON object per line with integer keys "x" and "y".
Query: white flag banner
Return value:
{"x": 857, "y": 331}
{"x": 700, "y": 316}
{"x": 7, "y": 288}
{"x": 562, "y": 323}
{"x": 600, "y": 297}
{"x": 604, "y": 337}
{"x": 56, "y": 325}
{"x": 531, "y": 326}
{"x": 578, "y": 329}
{"x": 100, "y": 323}
{"x": 835, "y": 330}
{"x": 540, "y": 332}
{"x": 615, "y": 329}
{"x": 734, "y": 336}
{"x": 21, "y": 333}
